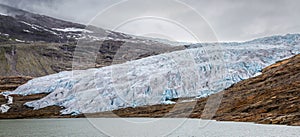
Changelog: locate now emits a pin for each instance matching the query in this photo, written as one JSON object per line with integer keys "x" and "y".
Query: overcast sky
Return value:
{"x": 184, "y": 20}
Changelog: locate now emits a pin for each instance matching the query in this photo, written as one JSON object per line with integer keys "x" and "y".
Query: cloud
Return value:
{"x": 240, "y": 20}
{"x": 80, "y": 11}
{"x": 223, "y": 20}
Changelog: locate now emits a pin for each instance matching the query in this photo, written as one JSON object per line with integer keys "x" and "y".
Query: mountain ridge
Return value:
{"x": 37, "y": 45}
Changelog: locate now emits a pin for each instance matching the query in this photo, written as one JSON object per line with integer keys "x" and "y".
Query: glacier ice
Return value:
{"x": 4, "y": 108}
{"x": 288, "y": 39}
{"x": 199, "y": 71}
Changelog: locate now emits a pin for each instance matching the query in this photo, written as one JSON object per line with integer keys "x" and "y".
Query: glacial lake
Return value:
{"x": 141, "y": 127}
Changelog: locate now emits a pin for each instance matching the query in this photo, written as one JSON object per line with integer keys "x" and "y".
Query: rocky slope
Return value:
{"x": 270, "y": 98}
{"x": 12, "y": 82}
{"x": 25, "y": 26}
{"x": 17, "y": 25}
{"x": 37, "y": 45}
{"x": 39, "y": 59}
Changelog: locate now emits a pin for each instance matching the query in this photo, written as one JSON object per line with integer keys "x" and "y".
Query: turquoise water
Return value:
{"x": 48, "y": 127}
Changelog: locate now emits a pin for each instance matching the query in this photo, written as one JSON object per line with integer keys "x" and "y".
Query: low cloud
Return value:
{"x": 225, "y": 20}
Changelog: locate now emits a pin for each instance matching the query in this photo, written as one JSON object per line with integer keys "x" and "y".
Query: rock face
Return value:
{"x": 39, "y": 59}
{"x": 12, "y": 82}
{"x": 270, "y": 98}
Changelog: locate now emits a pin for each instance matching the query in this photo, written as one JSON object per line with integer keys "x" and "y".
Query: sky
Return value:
{"x": 177, "y": 20}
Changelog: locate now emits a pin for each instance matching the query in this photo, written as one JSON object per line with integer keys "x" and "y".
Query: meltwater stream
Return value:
{"x": 135, "y": 127}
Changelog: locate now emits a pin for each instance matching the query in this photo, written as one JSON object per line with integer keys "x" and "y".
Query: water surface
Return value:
{"x": 103, "y": 127}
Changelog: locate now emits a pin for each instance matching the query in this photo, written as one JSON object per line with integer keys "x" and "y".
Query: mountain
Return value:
{"x": 199, "y": 71}
{"x": 37, "y": 45}
{"x": 284, "y": 40}
{"x": 24, "y": 26}
{"x": 86, "y": 69}
{"x": 270, "y": 98}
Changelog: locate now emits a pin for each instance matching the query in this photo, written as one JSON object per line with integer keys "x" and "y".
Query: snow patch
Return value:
{"x": 72, "y": 30}
{"x": 4, "y": 34}
{"x": 204, "y": 95}
{"x": 168, "y": 102}
{"x": 3, "y": 14}
{"x": 38, "y": 28}
{"x": 17, "y": 40}
{"x": 9, "y": 100}
{"x": 186, "y": 101}
{"x": 257, "y": 74}
{"x": 33, "y": 26}
{"x": 25, "y": 30}
{"x": 89, "y": 37}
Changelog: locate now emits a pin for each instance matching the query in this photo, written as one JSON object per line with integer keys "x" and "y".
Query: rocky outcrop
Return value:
{"x": 12, "y": 82}
{"x": 271, "y": 98}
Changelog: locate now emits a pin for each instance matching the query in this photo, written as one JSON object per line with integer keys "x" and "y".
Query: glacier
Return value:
{"x": 199, "y": 71}
{"x": 5, "y": 107}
